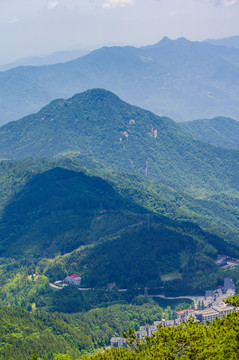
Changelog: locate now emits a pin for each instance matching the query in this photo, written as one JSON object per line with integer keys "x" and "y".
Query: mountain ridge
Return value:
{"x": 231, "y": 41}
{"x": 161, "y": 71}
{"x": 219, "y": 131}
{"x": 121, "y": 136}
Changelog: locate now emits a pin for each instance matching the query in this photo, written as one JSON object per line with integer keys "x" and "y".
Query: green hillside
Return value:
{"x": 138, "y": 255}
{"x": 57, "y": 211}
{"x": 58, "y": 220}
{"x": 220, "y": 131}
{"x": 123, "y": 137}
{"x": 23, "y": 334}
{"x": 214, "y": 212}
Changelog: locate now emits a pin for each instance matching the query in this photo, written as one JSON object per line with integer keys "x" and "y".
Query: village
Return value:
{"x": 211, "y": 307}
{"x": 204, "y": 308}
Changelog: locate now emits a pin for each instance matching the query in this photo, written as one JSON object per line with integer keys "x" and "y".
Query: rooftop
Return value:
{"x": 74, "y": 276}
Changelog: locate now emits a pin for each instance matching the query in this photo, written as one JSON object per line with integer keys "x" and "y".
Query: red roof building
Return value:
{"x": 73, "y": 279}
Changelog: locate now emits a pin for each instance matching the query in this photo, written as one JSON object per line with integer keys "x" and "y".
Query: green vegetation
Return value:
{"x": 23, "y": 334}
{"x": 58, "y": 218}
{"x": 186, "y": 180}
{"x": 220, "y": 131}
{"x": 127, "y": 200}
{"x": 59, "y": 336}
{"x": 136, "y": 202}
{"x": 124, "y": 138}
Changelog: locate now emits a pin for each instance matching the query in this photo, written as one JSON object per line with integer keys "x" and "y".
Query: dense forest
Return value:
{"x": 59, "y": 218}
{"x": 219, "y": 131}
{"x": 23, "y": 333}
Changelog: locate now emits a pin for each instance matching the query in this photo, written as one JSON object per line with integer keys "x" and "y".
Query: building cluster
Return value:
{"x": 216, "y": 311}
{"x": 214, "y": 308}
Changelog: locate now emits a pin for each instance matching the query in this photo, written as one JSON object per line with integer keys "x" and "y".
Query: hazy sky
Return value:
{"x": 39, "y": 27}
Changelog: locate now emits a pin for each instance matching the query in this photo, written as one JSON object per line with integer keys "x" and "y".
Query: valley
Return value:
{"x": 114, "y": 217}
{"x": 99, "y": 212}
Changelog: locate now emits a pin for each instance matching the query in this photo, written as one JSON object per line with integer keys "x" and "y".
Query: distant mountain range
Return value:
{"x": 232, "y": 41}
{"x": 54, "y": 58}
{"x": 220, "y": 131}
{"x": 181, "y": 79}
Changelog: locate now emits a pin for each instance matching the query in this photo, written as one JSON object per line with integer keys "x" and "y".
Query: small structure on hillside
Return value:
{"x": 73, "y": 279}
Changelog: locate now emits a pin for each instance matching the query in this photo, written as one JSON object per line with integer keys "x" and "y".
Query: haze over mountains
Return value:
{"x": 178, "y": 78}
{"x": 232, "y": 41}
{"x": 54, "y": 58}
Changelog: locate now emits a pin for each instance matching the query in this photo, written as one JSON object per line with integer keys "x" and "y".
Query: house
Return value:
{"x": 166, "y": 323}
{"x": 223, "y": 309}
{"x": 206, "y": 315}
{"x": 149, "y": 329}
{"x": 73, "y": 279}
{"x": 141, "y": 334}
{"x": 118, "y": 342}
{"x": 216, "y": 311}
{"x": 184, "y": 315}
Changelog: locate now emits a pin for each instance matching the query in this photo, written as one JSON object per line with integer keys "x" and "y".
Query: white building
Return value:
{"x": 73, "y": 279}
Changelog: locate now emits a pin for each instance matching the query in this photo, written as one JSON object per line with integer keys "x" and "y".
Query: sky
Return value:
{"x": 40, "y": 27}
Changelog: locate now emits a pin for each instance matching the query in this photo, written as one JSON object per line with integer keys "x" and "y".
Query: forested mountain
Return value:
{"x": 58, "y": 209}
{"x": 23, "y": 334}
{"x": 220, "y": 131}
{"x": 122, "y": 137}
{"x": 122, "y": 196}
{"x": 57, "y": 219}
{"x": 177, "y": 78}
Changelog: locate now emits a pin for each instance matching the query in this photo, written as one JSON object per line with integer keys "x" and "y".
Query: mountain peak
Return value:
{"x": 166, "y": 39}
{"x": 182, "y": 40}
{"x": 95, "y": 96}
{"x": 96, "y": 93}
